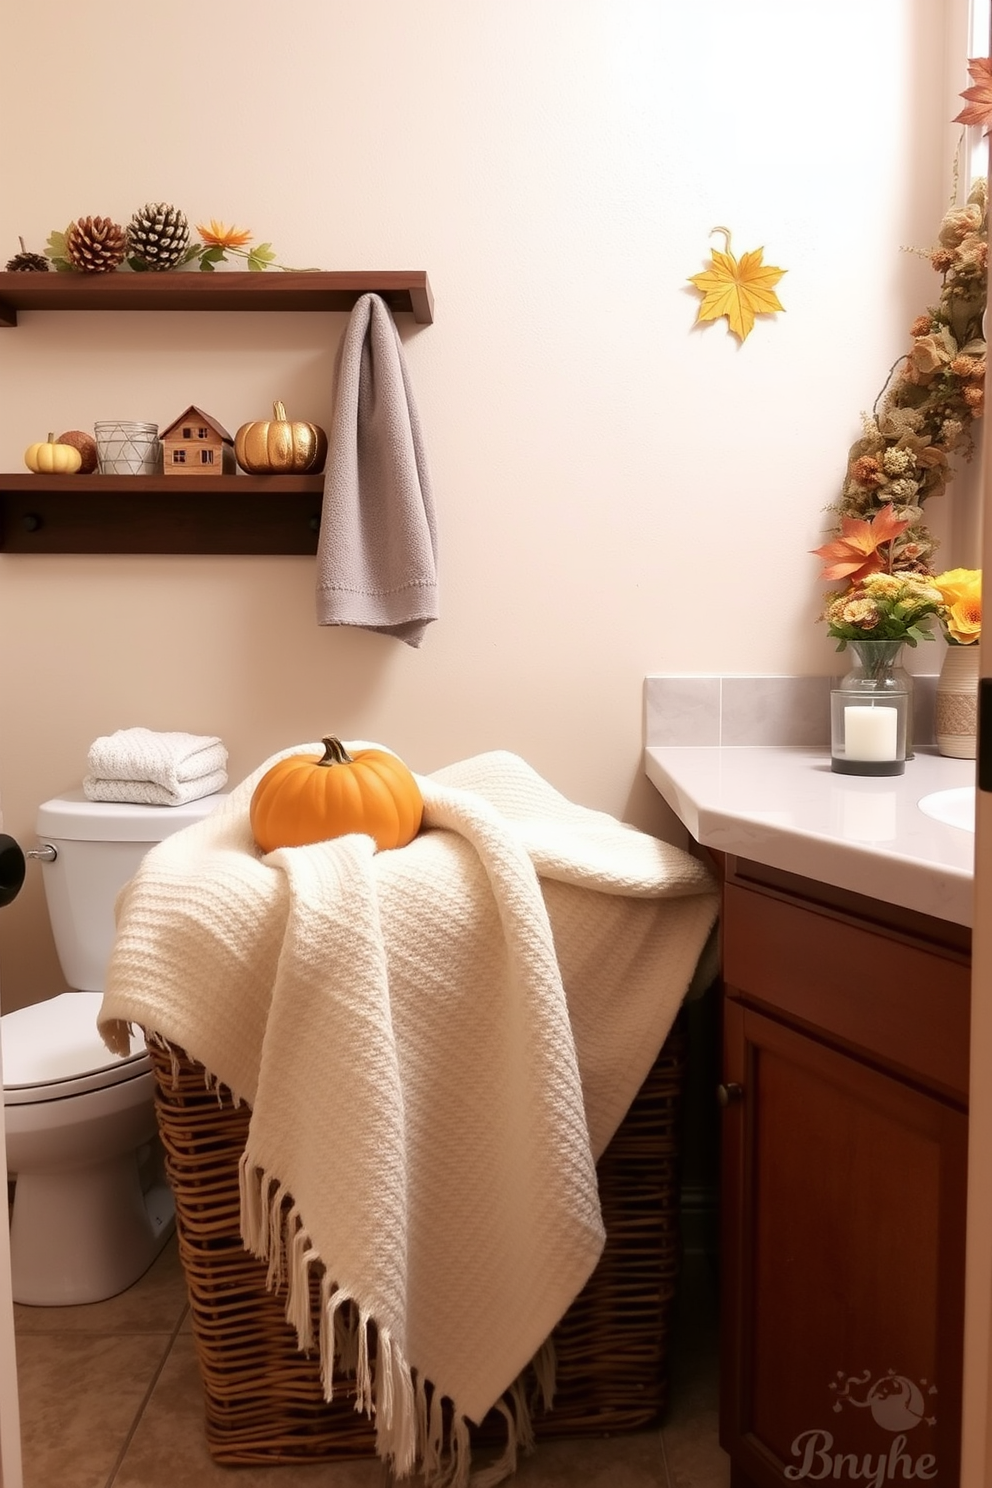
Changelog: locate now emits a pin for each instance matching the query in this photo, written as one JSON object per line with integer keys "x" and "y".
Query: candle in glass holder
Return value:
{"x": 870, "y": 733}
{"x": 868, "y": 738}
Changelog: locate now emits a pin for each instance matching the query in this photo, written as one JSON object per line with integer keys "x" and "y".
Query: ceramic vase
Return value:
{"x": 956, "y": 706}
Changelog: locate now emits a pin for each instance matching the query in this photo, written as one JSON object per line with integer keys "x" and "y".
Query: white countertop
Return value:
{"x": 784, "y": 807}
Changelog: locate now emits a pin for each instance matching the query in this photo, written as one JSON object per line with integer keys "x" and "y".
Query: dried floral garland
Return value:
{"x": 925, "y": 413}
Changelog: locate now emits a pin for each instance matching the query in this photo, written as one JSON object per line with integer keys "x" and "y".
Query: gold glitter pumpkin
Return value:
{"x": 280, "y": 446}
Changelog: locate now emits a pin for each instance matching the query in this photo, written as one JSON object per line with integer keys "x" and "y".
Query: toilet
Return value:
{"x": 91, "y": 1207}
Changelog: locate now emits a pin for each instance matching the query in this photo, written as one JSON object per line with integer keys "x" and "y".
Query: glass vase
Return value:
{"x": 871, "y": 712}
{"x": 955, "y": 715}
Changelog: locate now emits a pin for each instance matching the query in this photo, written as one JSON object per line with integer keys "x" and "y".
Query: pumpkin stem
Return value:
{"x": 334, "y": 752}
{"x": 279, "y": 409}
{"x": 51, "y": 438}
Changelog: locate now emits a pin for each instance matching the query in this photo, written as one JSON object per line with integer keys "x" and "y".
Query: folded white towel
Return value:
{"x": 147, "y": 793}
{"x": 155, "y": 769}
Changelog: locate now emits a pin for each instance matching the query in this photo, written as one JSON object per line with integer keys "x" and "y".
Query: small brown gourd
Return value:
{"x": 86, "y": 445}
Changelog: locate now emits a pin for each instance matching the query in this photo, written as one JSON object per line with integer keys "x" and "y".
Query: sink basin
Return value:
{"x": 956, "y": 808}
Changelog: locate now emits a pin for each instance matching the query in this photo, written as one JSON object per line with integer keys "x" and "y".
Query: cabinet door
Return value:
{"x": 843, "y": 1259}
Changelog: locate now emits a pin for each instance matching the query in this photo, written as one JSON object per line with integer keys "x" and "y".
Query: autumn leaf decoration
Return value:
{"x": 740, "y": 289}
{"x": 857, "y": 552}
{"x": 978, "y": 109}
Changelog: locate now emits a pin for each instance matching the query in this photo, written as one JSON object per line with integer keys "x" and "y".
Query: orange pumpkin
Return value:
{"x": 308, "y": 798}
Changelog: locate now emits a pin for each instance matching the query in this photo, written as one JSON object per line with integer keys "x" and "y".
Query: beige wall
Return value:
{"x": 617, "y": 493}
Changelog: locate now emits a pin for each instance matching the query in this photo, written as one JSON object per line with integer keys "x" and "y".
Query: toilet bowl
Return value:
{"x": 91, "y": 1207}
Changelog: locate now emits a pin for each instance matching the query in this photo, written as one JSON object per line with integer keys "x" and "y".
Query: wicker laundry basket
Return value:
{"x": 264, "y": 1402}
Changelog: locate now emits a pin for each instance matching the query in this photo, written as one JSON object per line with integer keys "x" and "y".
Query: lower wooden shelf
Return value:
{"x": 260, "y": 514}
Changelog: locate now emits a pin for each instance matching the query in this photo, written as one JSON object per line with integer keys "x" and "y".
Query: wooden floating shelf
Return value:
{"x": 403, "y": 291}
{"x": 251, "y": 514}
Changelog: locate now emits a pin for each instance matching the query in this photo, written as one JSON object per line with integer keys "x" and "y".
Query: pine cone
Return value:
{"x": 27, "y": 263}
{"x": 95, "y": 245}
{"x": 158, "y": 235}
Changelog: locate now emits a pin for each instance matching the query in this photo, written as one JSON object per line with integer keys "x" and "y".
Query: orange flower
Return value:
{"x": 855, "y": 554}
{"x": 867, "y": 472}
{"x": 224, "y": 237}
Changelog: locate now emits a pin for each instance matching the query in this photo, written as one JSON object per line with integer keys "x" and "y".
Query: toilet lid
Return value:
{"x": 53, "y": 1049}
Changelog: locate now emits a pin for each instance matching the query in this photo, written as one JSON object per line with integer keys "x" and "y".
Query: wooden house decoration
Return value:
{"x": 196, "y": 444}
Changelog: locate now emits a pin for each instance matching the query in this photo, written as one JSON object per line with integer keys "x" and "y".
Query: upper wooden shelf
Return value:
{"x": 273, "y": 289}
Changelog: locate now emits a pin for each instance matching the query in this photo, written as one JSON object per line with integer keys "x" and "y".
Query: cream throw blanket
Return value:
{"x": 437, "y": 1044}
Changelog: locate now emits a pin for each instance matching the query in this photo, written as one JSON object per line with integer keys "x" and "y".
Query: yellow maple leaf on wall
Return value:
{"x": 739, "y": 289}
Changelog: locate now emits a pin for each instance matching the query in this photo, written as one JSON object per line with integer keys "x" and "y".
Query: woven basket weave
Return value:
{"x": 264, "y": 1401}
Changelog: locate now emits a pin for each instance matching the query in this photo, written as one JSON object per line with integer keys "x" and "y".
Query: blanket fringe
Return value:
{"x": 159, "y": 1042}
{"x": 299, "y": 1313}
{"x": 432, "y": 1448}
{"x": 414, "y": 1431}
{"x": 396, "y": 1414}
{"x": 116, "y": 1035}
{"x": 545, "y": 1367}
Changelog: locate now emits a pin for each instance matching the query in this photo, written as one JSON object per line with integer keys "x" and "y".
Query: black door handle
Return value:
{"x": 11, "y": 869}
{"x": 984, "y": 750}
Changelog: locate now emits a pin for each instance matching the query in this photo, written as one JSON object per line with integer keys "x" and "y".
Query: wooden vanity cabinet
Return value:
{"x": 844, "y": 1152}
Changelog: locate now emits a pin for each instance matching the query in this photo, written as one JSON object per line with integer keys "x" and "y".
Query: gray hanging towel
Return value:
{"x": 377, "y": 550}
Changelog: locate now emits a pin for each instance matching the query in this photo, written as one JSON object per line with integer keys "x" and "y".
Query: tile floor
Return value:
{"x": 110, "y": 1398}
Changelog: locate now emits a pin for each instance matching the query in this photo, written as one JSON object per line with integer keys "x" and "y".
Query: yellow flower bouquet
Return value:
{"x": 884, "y": 607}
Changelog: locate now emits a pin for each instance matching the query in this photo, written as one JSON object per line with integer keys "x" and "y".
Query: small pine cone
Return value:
{"x": 27, "y": 263}
{"x": 158, "y": 235}
{"x": 95, "y": 245}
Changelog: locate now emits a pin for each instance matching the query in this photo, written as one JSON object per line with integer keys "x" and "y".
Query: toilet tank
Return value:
{"x": 98, "y": 848}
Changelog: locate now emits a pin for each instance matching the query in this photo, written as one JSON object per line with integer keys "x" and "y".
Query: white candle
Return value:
{"x": 870, "y": 733}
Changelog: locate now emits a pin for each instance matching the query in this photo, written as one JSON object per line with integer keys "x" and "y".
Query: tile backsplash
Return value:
{"x": 739, "y": 710}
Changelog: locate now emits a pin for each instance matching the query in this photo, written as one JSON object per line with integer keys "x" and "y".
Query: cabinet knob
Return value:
{"x": 729, "y": 1095}
{"x": 31, "y": 522}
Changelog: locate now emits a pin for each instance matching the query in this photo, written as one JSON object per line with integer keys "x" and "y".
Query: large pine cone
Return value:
{"x": 158, "y": 235}
{"x": 95, "y": 245}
